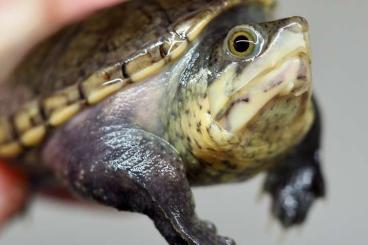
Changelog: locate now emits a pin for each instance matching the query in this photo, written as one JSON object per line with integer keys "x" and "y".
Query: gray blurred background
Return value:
{"x": 339, "y": 40}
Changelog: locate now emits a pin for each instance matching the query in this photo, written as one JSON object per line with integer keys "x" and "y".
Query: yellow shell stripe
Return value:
{"x": 28, "y": 127}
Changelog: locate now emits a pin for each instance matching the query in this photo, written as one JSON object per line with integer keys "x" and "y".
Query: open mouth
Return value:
{"x": 291, "y": 77}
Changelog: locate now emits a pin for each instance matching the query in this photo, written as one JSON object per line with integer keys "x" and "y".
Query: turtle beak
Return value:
{"x": 303, "y": 81}
{"x": 300, "y": 79}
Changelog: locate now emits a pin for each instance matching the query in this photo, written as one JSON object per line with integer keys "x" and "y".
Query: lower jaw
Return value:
{"x": 279, "y": 126}
{"x": 272, "y": 133}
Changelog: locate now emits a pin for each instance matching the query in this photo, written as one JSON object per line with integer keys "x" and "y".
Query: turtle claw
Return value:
{"x": 294, "y": 193}
{"x": 291, "y": 206}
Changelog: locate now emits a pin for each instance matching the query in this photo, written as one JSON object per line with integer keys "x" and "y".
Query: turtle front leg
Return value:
{"x": 298, "y": 181}
{"x": 131, "y": 169}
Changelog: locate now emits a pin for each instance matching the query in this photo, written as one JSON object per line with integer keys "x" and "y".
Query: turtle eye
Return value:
{"x": 243, "y": 42}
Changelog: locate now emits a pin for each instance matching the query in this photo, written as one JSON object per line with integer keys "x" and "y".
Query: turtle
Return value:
{"x": 139, "y": 102}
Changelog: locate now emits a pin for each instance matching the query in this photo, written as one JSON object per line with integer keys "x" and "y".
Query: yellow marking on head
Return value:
{"x": 218, "y": 91}
{"x": 258, "y": 93}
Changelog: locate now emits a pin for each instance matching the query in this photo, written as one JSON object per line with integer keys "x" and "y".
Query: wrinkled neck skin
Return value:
{"x": 213, "y": 154}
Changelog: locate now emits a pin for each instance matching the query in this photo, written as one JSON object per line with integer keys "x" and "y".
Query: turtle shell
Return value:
{"x": 89, "y": 61}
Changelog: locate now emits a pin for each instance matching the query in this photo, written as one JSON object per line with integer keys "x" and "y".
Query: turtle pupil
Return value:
{"x": 241, "y": 44}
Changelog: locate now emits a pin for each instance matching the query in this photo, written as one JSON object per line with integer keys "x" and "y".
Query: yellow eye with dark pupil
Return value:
{"x": 241, "y": 44}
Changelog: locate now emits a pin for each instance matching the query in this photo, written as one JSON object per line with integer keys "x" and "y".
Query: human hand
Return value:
{"x": 24, "y": 23}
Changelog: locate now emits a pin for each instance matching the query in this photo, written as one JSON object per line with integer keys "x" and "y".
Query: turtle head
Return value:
{"x": 254, "y": 93}
{"x": 261, "y": 97}
{"x": 262, "y": 64}
{"x": 258, "y": 93}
